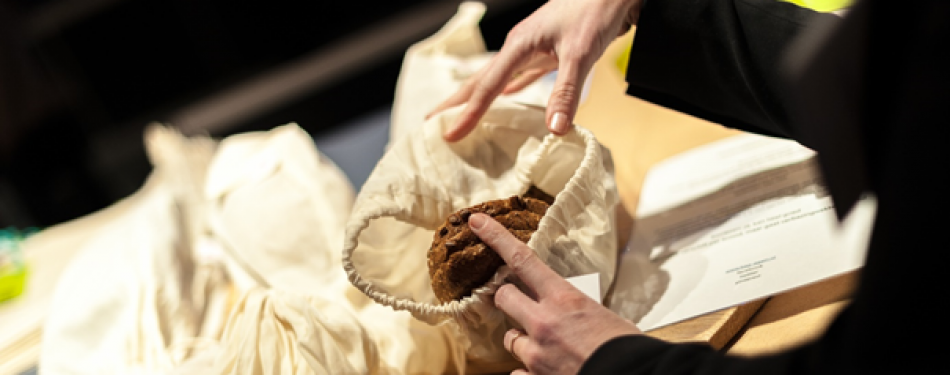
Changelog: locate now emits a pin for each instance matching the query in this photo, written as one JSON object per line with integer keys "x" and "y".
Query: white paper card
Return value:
{"x": 588, "y": 284}
{"x": 730, "y": 222}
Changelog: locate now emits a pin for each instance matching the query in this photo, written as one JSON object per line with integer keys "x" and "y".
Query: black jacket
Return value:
{"x": 871, "y": 94}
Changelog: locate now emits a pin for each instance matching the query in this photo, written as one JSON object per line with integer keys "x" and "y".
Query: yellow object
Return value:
{"x": 822, "y": 5}
{"x": 11, "y": 284}
{"x": 12, "y": 263}
{"x": 623, "y": 59}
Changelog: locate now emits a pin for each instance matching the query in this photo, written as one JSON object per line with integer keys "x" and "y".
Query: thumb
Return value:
{"x": 562, "y": 105}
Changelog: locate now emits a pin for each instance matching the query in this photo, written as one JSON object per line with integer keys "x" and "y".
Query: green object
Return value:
{"x": 822, "y": 5}
{"x": 13, "y": 269}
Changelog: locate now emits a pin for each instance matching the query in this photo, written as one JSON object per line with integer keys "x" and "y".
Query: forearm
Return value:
{"x": 717, "y": 59}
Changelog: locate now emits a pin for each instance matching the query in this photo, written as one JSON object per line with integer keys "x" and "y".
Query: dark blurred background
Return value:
{"x": 80, "y": 79}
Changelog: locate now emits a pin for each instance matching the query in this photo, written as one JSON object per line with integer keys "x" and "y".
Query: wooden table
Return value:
{"x": 639, "y": 135}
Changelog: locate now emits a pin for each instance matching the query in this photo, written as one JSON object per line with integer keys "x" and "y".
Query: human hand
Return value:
{"x": 562, "y": 326}
{"x": 568, "y": 35}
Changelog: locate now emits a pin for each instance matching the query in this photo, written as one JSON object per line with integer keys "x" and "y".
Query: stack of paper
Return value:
{"x": 731, "y": 222}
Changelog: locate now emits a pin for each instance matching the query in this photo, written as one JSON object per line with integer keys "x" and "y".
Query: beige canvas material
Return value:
{"x": 422, "y": 179}
{"x": 135, "y": 290}
{"x": 436, "y": 67}
{"x": 228, "y": 262}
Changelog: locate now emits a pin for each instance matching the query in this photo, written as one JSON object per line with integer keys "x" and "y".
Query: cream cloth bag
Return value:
{"x": 422, "y": 179}
{"x": 278, "y": 207}
{"x": 436, "y": 67}
{"x": 228, "y": 262}
{"x": 137, "y": 296}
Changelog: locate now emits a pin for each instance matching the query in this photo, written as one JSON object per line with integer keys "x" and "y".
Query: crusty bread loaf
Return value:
{"x": 459, "y": 261}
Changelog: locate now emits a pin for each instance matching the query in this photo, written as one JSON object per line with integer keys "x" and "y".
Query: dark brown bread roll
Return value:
{"x": 459, "y": 261}
{"x": 534, "y": 192}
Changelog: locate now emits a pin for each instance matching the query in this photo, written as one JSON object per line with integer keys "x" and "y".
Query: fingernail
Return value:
{"x": 476, "y": 221}
{"x": 559, "y": 123}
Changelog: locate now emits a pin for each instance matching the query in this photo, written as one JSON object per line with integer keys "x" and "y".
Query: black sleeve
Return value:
{"x": 894, "y": 321}
{"x": 646, "y": 355}
{"x": 717, "y": 59}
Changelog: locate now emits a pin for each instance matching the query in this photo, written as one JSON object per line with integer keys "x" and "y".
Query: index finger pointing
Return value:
{"x": 519, "y": 257}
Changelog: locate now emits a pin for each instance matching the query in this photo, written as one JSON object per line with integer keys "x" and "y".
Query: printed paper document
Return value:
{"x": 731, "y": 222}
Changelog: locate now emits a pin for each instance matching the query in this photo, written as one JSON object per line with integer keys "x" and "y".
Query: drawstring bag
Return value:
{"x": 422, "y": 179}
{"x": 436, "y": 67}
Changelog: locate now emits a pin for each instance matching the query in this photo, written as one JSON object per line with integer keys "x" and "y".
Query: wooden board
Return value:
{"x": 795, "y": 317}
{"x": 640, "y": 134}
{"x": 716, "y": 329}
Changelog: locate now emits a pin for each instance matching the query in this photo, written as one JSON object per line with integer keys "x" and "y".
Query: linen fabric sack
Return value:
{"x": 228, "y": 262}
{"x": 421, "y": 180}
{"x": 436, "y": 67}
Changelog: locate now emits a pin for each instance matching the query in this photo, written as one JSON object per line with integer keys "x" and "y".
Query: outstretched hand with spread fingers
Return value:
{"x": 567, "y": 35}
